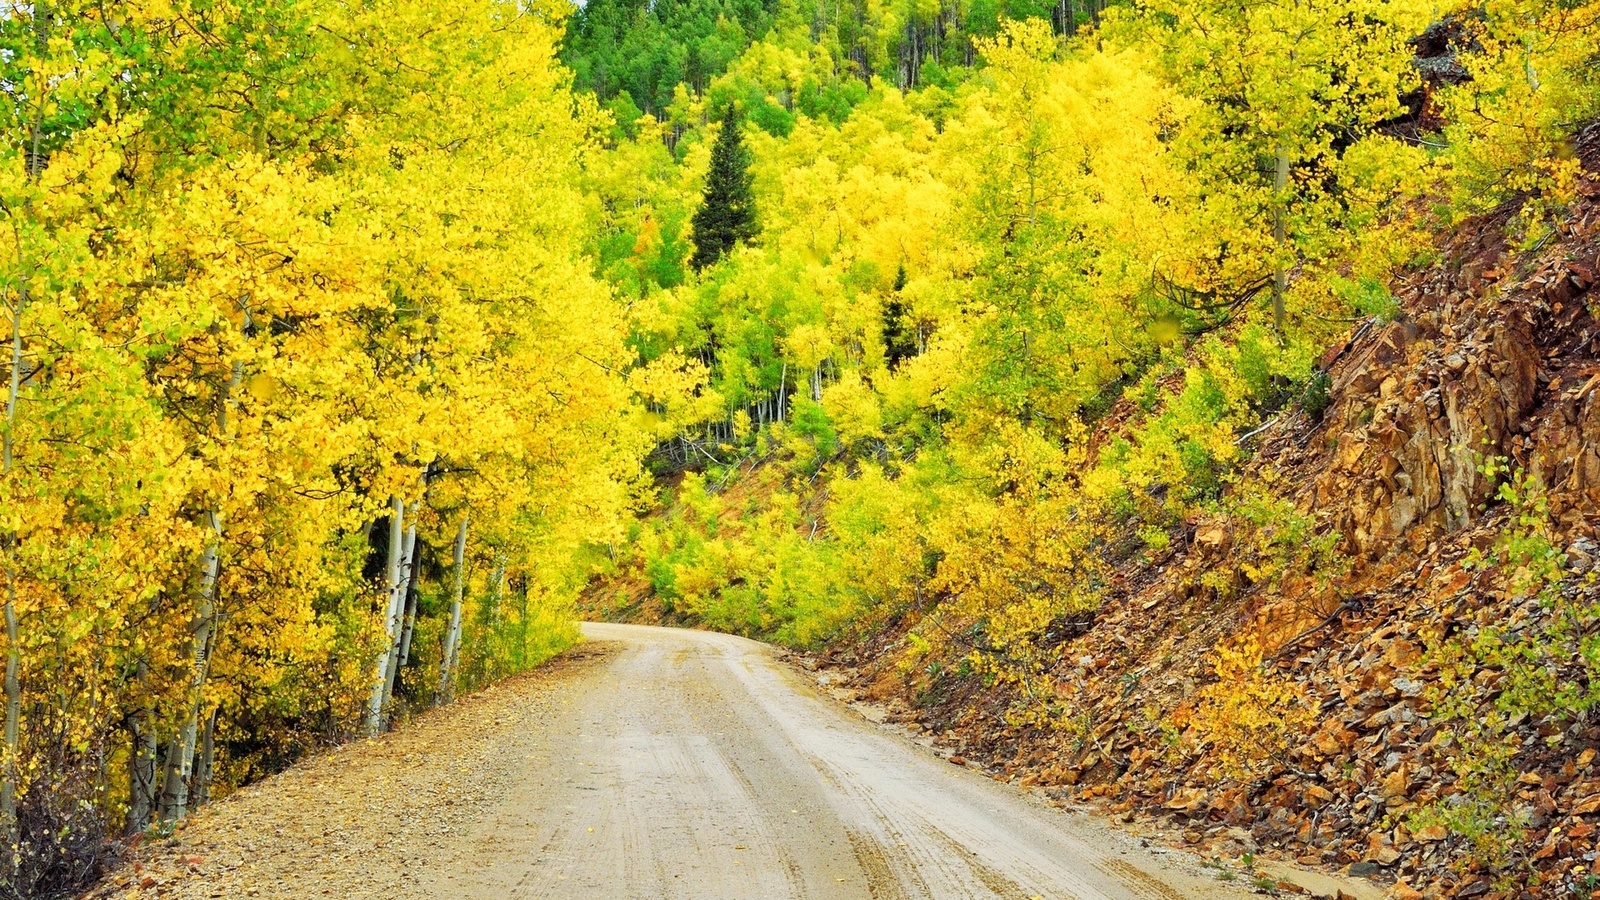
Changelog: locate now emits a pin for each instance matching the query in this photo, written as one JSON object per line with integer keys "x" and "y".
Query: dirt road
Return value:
{"x": 679, "y": 765}
{"x": 696, "y": 765}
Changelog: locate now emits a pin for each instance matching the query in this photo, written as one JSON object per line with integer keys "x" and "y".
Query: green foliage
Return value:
{"x": 1317, "y": 395}
{"x": 1277, "y": 539}
{"x": 726, "y": 217}
{"x": 1539, "y": 668}
{"x": 642, "y": 50}
{"x": 1368, "y": 297}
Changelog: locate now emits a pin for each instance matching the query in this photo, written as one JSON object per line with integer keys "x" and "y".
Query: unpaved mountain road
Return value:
{"x": 658, "y": 763}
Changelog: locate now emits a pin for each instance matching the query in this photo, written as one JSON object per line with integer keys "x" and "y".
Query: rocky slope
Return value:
{"x": 1494, "y": 354}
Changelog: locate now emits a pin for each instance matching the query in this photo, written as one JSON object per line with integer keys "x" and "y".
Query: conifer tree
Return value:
{"x": 728, "y": 215}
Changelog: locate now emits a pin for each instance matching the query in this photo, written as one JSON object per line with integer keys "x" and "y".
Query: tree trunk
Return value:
{"x": 42, "y": 15}
{"x": 141, "y": 773}
{"x": 208, "y": 747}
{"x": 407, "y": 567}
{"x": 8, "y": 784}
{"x": 391, "y": 618}
{"x": 452, "y": 635}
{"x": 1280, "y": 237}
{"x": 142, "y": 751}
{"x": 408, "y": 627}
{"x": 180, "y": 752}
{"x": 13, "y": 683}
{"x": 522, "y": 630}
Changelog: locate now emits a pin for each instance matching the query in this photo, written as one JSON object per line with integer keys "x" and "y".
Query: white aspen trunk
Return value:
{"x": 141, "y": 775}
{"x": 13, "y": 683}
{"x": 408, "y": 627}
{"x": 180, "y": 753}
{"x": 407, "y": 565}
{"x": 1280, "y": 236}
{"x": 13, "y": 680}
{"x": 141, "y": 760}
{"x": 452, "y": 635}
{"x": 497, "y": 592}
{"x": 391, "y": 618}
{"x": 8, "y": 784}
{"x": 783, "y": 376}
{"x": 208, "y": 747}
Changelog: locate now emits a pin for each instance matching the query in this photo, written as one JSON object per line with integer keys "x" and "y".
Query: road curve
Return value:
{"x": 696, "y": 765}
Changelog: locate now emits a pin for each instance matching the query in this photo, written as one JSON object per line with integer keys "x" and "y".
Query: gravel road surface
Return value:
{"x": 698, "y": 765}
{"x": 651, "y": 763}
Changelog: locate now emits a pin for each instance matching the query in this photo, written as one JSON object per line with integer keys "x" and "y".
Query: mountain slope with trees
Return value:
{"x": 1064, "y": 402}
{"x": 350, "y": 342}
{"x": 1377, "y": 655}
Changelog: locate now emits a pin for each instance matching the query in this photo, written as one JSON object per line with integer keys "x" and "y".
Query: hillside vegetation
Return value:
{"x": 1191, "y": 410}
{"x": 313, "y": 397}
{"x": 1031, "y": 353}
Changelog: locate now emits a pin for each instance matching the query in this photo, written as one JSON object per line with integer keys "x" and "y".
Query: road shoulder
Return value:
{"x": 366, "y": 819}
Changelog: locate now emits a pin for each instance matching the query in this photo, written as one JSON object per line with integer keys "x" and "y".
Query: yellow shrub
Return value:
{"x": 1249, "y": 716}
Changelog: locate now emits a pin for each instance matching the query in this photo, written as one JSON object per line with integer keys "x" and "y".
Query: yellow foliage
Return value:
{"x": 853, "y": 408}
{"x": 1250, "y": 716}
{"x": 1531, "y": 78}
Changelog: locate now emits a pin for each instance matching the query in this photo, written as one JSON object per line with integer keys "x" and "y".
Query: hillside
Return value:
{"x": 1374, "y": 654}
{"x": 1492, "y": 354}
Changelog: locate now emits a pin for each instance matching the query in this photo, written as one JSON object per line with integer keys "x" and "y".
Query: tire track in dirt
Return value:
{"x": 1141, "y": 881}
{"x": 664, "y": 764}
{"x": 871, "y": 856}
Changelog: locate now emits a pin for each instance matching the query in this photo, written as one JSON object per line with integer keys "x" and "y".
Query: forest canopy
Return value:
{"x": 351, "y": 342}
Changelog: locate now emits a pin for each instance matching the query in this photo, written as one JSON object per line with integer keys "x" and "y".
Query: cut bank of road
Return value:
{"x": 659, "y": 763}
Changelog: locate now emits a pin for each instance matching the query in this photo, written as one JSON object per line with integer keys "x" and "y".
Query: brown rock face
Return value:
{"x": 1480, "y": 368}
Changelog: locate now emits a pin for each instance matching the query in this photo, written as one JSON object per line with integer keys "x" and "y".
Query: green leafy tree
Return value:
{"x": 645, "y": 49}
{"x": 728, "y": 214}
{"x": 1287, "y": 135}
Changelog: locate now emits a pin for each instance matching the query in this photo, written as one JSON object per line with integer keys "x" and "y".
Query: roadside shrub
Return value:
{"x": 1250, "y": 716}
{"x": 1540, "y": 666}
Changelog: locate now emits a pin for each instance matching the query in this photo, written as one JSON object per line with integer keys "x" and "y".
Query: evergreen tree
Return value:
{"x": 728, "y": 214}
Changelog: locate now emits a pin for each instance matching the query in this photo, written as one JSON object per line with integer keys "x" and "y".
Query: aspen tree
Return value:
{"x": 452, "y": 640}
{"x": 395, "y": 584}
{"x": 1285, "y": 86}
{"x": 33, "y": 163}
{"x": 181, "y": 750}
{"x": 227, "y": 242}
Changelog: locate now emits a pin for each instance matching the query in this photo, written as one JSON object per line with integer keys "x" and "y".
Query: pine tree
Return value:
{"x": 728, "y": 215}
